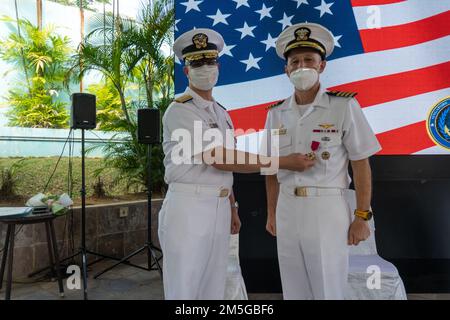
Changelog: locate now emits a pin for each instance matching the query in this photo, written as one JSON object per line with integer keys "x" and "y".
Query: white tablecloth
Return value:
{"x": 391, "y": 285}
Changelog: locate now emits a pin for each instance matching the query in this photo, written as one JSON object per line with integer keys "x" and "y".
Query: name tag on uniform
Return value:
{"x": 281, "y": 131}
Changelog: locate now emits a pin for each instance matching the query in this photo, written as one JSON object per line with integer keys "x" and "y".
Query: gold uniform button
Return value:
{"x": 325, "y": 155}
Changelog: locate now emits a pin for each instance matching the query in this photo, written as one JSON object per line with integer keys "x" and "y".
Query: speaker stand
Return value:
{"x": 83, "y": 251}
{"x": 148, "y": 246}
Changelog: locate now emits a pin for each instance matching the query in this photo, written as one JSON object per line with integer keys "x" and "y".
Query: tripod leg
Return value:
{"x": 149, "y": 245}
{"x": 48, "y": 267}
{"x": 119, "y": 262}
{"x": 154, "y": 248}
{"x": 103, "y": 256}
{"x": 149, "y": 258}
{"x": 83, "y": 256}
{"x": 122, "y": 260}
{"x": 83, "y": 218}
{"x": 156, "y": 260}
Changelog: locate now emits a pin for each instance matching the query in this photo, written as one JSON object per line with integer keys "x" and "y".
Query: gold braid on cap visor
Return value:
{"x": 305, "y": 44}
{"x": 197, "y": 55}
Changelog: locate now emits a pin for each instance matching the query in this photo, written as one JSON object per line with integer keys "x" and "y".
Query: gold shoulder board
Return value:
{"x": 344, "y": 94}
{"x": 183, "y": 98}
{"x": 276, "y": 104}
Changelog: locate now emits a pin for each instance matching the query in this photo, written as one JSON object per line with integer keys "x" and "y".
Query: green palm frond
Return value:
{"x": 41, "y": 56}
{"x": 129, "y": 56}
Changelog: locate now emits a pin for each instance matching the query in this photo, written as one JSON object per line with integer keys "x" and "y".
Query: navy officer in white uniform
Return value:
{"x": 307, "y": 210}
{"x": 199, "y": 210}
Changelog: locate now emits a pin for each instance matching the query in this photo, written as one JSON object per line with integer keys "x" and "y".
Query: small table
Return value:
{"x": 8, "y": 253}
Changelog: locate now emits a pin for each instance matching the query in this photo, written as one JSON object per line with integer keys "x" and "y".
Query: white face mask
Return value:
{"x": 204, "y": 77}
{"x": 304, "y": 78}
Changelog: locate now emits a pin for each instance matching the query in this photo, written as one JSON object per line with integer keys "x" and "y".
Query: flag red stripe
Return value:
{"x": 253, "y": 117}
{"x": 407, "y": 34}
{"x": 363, "y": 3}
{"x": 400, "y": 85}
{"x": 405, "y": 140}
{"x": 370, "y": 92}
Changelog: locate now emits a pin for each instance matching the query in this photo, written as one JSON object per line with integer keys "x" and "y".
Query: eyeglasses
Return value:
{"x": 202, "y": 62}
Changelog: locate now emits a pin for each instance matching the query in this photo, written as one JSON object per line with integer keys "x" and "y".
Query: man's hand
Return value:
{"x": 359, "y": 231}
{"x": 235, "y": 221}
{"x": 296, "y": 162}
{"x": 271, "y": 226}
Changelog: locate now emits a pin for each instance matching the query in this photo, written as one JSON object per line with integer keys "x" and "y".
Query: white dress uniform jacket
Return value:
{"x": 194, "y": 221}
{"x": 312, "y": 222}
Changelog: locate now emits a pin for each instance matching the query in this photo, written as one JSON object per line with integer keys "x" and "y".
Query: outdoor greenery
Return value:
{"x": 42, "y": 55}
{"x": 9, "y": 180}
{"x": 128, "y": 53}
{"x": 136, "y": 73}
{"x": 28, "y": 176}
{"x": 109, "y": 113}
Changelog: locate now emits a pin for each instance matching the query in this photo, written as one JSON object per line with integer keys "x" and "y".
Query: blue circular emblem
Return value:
{"x": 438, "y": 124}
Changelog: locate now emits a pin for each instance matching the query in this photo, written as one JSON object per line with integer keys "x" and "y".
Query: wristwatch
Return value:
{"x": 365, "y": 214}
{"x": 235, "y": 205}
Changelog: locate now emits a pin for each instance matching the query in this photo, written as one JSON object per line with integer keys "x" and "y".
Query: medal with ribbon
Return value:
{"x": 314, "y": 146}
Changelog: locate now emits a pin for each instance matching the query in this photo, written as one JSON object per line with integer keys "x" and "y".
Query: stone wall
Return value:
{"x": 106, "y": 233}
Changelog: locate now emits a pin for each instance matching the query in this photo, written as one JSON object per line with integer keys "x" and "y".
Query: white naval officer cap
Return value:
{"x": 305, "y": 35}
{"x": 198, "y": 44}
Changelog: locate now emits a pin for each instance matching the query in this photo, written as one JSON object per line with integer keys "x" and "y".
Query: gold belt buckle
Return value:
{"x": 301, "y": 192}
{"x": 223, "y": 193}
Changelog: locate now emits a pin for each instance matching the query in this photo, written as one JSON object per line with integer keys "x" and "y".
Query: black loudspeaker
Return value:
{"x": 148, "y": 128}
{"x": 257, "y": 248}
{"x": 83, "y": 111}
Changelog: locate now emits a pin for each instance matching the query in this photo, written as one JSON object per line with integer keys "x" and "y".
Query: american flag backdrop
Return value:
{"x": 394, "y": 53}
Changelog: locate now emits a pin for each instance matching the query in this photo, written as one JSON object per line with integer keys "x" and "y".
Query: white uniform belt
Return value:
{"x": 200, "y": 189}
{"x": 311, "y": 191}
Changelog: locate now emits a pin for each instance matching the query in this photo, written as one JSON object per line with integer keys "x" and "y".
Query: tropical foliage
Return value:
{"x": 41, "y": 57}
{"x": 136, "y": 73}
{"x": 109, "y": 113}
{"x": 9, "y": 177}
{"x": 130, "y": 57}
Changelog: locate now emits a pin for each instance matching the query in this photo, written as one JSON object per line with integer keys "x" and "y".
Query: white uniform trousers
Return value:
{"x": 312, "y": 244}
{"x": 194, "y": 232}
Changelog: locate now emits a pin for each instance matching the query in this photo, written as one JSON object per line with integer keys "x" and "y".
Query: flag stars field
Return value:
{"x": 251, "y": 62}
{"x": 192, "y": 5}
{"x": 246, "y": 31}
